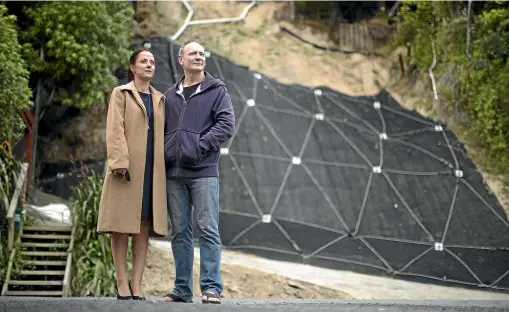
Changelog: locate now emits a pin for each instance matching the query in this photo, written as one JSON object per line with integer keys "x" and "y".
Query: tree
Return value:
{"x": 480, "y": 69}
{"x": 83, "y": 43}
{"x": 14, "y": 91}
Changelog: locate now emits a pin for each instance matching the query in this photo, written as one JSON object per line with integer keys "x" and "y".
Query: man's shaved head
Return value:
{"x": 193, "y": 43}
{"x": 192, "y": 57}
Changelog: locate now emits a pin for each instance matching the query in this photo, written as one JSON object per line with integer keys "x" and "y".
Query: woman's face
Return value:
{"x": 144, "y": 67}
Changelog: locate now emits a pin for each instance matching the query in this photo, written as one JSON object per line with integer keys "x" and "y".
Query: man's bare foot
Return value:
{"x": 210, "y": 296}
{"x": 166, "y": 299}
{"x": 172, "y": 298}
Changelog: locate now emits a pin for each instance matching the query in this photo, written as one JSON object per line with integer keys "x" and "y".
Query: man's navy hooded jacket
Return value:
{"x": 195, "y": 128}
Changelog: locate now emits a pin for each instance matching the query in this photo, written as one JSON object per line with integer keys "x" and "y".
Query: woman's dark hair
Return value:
{"x": 132, "y": 61}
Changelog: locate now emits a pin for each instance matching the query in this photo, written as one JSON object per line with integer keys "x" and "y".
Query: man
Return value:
{"x": 199, "y": 118}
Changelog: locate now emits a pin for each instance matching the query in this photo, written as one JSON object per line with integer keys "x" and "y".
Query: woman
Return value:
{"x": 133, "y": 201}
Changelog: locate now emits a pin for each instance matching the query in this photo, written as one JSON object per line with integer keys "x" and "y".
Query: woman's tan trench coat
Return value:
{"x": 126, "y": 141}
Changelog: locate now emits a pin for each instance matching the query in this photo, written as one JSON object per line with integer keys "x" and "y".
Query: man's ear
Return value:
{"x": 181, "y": 60}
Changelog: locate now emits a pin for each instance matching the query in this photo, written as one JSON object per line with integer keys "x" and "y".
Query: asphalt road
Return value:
{"x": 24, "y": 304}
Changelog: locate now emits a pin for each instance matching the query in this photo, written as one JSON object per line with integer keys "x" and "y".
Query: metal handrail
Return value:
{"x": 9, "y": 266}
{"x": 19, "y": 192}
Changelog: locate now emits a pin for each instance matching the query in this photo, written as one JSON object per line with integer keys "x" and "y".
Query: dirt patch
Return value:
{"x": 259, "y": 43}
{"x": 158, "y": 17}
{"x": 497, "y": 188}
{"x": 83, "y": 139}
{"x": 239, "y": 281}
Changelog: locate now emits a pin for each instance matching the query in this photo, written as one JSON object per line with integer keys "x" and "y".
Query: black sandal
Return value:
{"x": 210, "y": 294}
{"x": 176, "y": 298}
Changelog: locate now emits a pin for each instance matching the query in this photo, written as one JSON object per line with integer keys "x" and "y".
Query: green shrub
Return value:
{"x": 84, "y": 42}
{"x": 481, "y": 86}
{"x": 14, "y": 91}
{"x": 94, "y": 268}
{"x": 9, "y": 169}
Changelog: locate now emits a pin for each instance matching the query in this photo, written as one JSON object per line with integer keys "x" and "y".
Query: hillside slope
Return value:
{"x": 259, "y": 43}
{"x": 239, "y": 281}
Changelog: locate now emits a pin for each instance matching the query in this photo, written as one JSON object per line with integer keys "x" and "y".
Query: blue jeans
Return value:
{"x": 202, "y": 194}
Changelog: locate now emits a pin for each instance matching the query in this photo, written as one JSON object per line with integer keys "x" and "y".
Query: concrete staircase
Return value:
{"x": 46, "y": 254}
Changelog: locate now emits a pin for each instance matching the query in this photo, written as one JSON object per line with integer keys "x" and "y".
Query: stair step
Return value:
{"x": 45, "y": 245}
{"x": 33, "y": 293}
{"x": 44, "y": 253}
{"x": 45, "y": 262}
{"x": 41, "y": 283}
{"x": 41, "y": 272}
{"x": 45, "y": 236}
{"x": 48, "y": 228}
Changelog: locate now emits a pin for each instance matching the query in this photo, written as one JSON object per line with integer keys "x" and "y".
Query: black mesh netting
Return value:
{"x": 355, "y": 183}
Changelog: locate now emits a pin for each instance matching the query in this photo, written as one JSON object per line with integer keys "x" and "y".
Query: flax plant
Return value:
{"x": 94, "y": 273}
{"x": 9, "y": 171}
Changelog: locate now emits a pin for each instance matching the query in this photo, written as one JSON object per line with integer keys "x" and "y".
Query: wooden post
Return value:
{"x": 10, "y": 236}
{"x": 291, "y": 10}
{"x": 29, "y": 122}
{"x": 18, "y": 192}
{"x": 401, "y": 64}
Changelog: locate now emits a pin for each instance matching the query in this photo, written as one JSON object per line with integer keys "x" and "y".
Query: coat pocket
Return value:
{"x": 190, "y": 154}
{"x": 170, "y": 146}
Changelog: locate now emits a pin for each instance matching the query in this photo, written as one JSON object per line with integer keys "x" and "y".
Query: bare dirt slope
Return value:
{"x": 239, "y": 281}
{"x": 259, "y": 43}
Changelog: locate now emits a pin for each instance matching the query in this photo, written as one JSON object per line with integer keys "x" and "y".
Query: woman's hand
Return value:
{"x": 119, "y": 171}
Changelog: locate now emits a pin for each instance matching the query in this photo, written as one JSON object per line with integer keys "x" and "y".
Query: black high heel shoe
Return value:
{"x": 133, "y": 296}
{"x": 124, "y": 297}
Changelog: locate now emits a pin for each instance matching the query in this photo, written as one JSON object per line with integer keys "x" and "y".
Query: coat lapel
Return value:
{"x": 138, "y": 98}
{"x": 156, "y": 97}
{"x": 131, "y": 87}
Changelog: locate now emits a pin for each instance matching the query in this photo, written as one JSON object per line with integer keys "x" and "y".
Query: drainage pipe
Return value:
{"x": 190, "y": 14}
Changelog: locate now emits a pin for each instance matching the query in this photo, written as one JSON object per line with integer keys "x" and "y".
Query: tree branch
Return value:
{"x": 394, "y": 9}
{"x": 468, "y": 29}
{"x": 431, "y": 70}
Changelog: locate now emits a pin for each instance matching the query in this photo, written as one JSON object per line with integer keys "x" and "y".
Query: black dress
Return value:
{"x": 146, "y": 205}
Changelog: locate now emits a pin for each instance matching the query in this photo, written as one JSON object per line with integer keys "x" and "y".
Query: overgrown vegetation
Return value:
{"x": 9, "y": 169}
{"x": 83, "y": 42}
{"x": 475, "y": 75}
{"x": 95, "y": 272}
{"x": 14, "y": 91}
